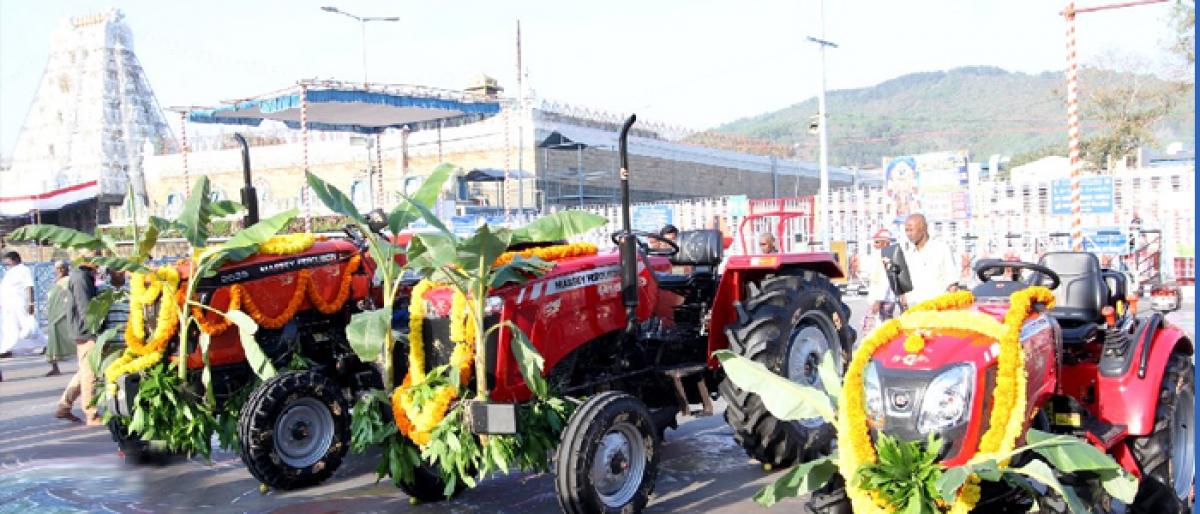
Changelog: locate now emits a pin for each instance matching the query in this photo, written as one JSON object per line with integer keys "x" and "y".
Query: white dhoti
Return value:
{"x": 19, "y": 331}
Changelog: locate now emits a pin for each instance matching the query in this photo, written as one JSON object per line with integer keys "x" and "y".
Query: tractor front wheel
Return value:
{"x": 608, "y": 457}
{"x": 294, "y": 430}
{"x": 789, "y": 323}
{"x": 1167, "y": 455}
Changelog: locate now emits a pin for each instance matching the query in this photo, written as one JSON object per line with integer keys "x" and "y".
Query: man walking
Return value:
{"x": 931, "y": 264}
{"x": 18, "y": 325}
{"x": 81, "y": 287}
{"x": 880, "y": 295}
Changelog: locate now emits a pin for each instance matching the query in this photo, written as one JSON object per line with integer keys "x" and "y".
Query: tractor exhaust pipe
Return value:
{"x": 249, "y": 195}
{"x": 628, "y": 242}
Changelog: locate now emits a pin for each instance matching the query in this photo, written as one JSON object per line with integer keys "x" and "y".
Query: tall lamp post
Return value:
{"x": 822, "y": 217}
{"x": 362, "y": 21}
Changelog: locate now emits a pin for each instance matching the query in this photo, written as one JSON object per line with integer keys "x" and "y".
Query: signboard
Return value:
{"x": 1104, "y": 240}
{"x": 651, "y": 218}
{"x": 934, "y": 184}
{"x": 1095, "y": 196}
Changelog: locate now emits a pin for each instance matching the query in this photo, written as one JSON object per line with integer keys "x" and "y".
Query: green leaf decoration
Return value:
{"x": 831, "y": 381}
{"x": 519, "y": 271}
{"x": 206, "y": 373}
{"x": 558, "y": 226}
{"x": 529, "y": 361}
{"x": 258, "y": 360}
{"x": 334, "y": 198}
{"x": 98, "y": 307}
{"x": 1041, "y": 472}
{"x": 97, "y": 354}
{"x": 245, "y": 243}
{"x": 404, "y": 214}
{"x": 119, "y": 263}
{"x": 57, "y": 236}
{"x": 798, "y": 481}
{"x": 477, "y": 253}
{"x": 149, "y": 238}
{"x": 785, "y": 399}
{"x": 193, "y": 219}
{"x": 433, "y": 251}
{"x": 951, "y": 481}
{"x": 367, "y": 331}
{"x": 222, "y": 208}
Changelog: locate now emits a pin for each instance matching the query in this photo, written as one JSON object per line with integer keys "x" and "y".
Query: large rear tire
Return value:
{"x": 608, "y": 458}
{"x": 294, "y": 430}
{"x": 1167, "y": 455}
{"x": 788, "y": 323}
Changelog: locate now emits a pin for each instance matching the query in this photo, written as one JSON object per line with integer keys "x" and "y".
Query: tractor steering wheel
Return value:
{"x": 671, "y": 250}
{"x": 1042, "y": 275}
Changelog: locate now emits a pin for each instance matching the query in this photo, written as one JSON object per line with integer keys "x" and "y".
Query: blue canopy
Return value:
{"x": 345, "y": 107}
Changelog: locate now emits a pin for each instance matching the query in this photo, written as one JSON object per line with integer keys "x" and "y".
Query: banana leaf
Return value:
{"x": 258, "y": 360}
{"x": 55, "y": 235}
{"x": 557, "y": 227}
{"x": 783, "y": 398}
{"x": 334, "y": 198}
{"x": 367, "y": 332}
{"x": 194, "y": 218}
{"x": 404, "y": 214}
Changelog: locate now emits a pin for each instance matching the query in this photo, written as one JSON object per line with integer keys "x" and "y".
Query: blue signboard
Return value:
{"x": 1095, "y": 196}
{"x": 651, "y": 218}
{"x": 1104, "y": 240}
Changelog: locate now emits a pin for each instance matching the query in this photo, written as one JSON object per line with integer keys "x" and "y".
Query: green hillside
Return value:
{"x": 984, "y": 110}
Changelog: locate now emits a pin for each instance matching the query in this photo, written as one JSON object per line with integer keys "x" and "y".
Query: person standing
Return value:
{"x": 19, "y": 330}
{"x": 931, "y": 264}
{"x": 59, "y": 341}
{"x": 880, "y": 295}
{"x": 81, "y": 288}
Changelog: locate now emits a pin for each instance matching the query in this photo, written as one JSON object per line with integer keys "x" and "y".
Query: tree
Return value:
{"x": 1183, "y": 21}
{"x": 1128, "y": 103}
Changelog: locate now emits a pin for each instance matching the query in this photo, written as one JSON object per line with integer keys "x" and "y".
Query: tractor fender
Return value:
{"x": 1132, "y": 398}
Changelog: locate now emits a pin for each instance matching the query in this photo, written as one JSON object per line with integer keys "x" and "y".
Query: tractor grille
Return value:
{"x": 436, "y": 335}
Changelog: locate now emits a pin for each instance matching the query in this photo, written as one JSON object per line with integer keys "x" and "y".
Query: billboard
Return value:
{"x": 651, "y": 218}
{"x": 934, "y": 184}
{"x": 1095, "y": 196}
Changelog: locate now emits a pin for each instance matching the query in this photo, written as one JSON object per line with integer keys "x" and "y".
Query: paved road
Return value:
{"x": 47, "y": 465}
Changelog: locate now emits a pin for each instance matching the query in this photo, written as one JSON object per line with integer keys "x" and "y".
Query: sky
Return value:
{"x": 693, "y": 63}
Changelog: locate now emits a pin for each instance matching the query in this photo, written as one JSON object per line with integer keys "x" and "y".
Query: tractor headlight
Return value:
{"x": 873, "y": 394}
{"x": 947, "y": 400}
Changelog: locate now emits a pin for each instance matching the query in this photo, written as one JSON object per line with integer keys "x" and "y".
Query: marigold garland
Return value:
{"x": 914, "y": 343}
{"x": 417, "y": 422}
{"x": 549, "y": 253}
{"x": 287, "y": 244}
{"x": 281, "y": 319}
{"x": 1008, "y": 411}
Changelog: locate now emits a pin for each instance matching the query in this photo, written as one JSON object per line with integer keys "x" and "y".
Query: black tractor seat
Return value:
{"x": 1080, "y": 297}
{"x": 699, "y": 250}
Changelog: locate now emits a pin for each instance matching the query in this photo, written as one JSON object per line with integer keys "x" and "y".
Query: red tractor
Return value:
{"x": 1094, "y": 370}
{"x": 293, "y": 429}
{"x": 620, "y": 329}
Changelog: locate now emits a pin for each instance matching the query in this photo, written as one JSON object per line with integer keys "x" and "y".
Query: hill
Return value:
{"x": 985, "y": 110}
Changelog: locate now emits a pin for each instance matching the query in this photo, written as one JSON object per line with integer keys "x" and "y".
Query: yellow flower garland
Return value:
{"x": 549, "y": 253}
{"x": 417, "y": 422}
{"x": 287, "y": 244}
{"x": 1008, "y": 411}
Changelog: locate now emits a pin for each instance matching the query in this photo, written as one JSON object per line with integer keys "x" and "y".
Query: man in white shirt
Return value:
{"x": 18, "y": 326}
{"x": 930, "y": 262}
{"x": 880, "y": 296}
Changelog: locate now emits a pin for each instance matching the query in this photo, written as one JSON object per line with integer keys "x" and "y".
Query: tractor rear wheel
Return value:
{"x": 608, "y": 457}
{"x": 788, "y": 323}
{"x": 1166, "y": 455}
{"x": 294, "y": 430}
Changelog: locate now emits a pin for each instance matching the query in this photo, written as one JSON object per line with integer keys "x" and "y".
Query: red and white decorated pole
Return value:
{"x": 379, "y": 172}
{"x": 1073, "y": 131}
{"x": 183, "y": 152}
{"x": 304, "y": 196}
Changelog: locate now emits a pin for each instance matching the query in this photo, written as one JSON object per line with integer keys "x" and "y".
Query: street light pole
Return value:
{"x": 822, "y": 215}
{"x": 362, "y": 22}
